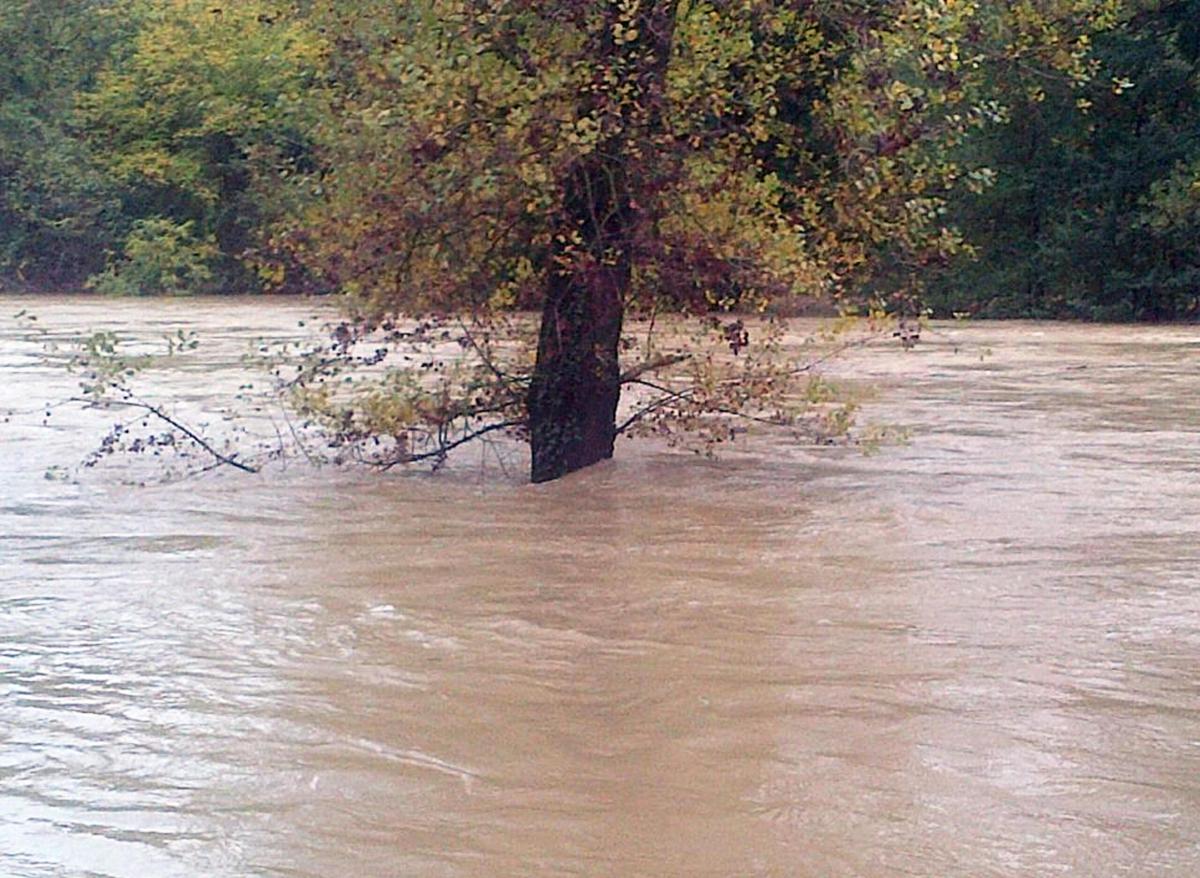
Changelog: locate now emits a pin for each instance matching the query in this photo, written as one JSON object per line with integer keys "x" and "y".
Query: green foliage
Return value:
{"x": 201, "y": 120}
{"x": 116, "y": 112}
{"x": 159, "y": 257}
{"x": 603, "y": 159}
{"x": 59, "y": 210}
{"x": 102, "y": 366}
{"x": 831, "y": 147}
{"x": 1093, "y": 213}
{"x": 445, "y": 163}
{"x": 798, "y": 144}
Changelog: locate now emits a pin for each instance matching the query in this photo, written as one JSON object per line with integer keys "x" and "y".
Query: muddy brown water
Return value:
{"x": 974, "y": 655}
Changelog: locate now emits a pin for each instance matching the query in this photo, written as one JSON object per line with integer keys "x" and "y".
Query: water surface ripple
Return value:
{"x": 974, "y": 655}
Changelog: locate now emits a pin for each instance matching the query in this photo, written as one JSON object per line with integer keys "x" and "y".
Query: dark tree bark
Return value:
{"x": 576, "y": 381}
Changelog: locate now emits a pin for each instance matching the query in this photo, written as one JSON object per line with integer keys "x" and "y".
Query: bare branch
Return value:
{"x": 445, "y": 447}
{"x": 164, "y": 417}
{"x": 634, "y": 372}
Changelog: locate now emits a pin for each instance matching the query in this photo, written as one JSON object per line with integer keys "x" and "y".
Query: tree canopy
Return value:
{"x": 446, "y": 165}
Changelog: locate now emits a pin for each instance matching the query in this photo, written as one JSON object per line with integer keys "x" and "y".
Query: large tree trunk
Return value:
{"x": 577, "y": 378}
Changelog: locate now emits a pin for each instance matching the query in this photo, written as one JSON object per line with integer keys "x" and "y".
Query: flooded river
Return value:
{"x": 974, "y": 655}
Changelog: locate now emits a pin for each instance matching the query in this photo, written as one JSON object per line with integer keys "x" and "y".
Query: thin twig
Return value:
{"x": 483, "y": 356}
{"x": 163, "y": 416}
{"x": 671, "y": 396}
{"x": 631, "y": 374}
{"x": 445, "y": 448}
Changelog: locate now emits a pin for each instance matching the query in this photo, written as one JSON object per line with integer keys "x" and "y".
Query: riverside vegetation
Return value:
{"x": 448, "y": 166}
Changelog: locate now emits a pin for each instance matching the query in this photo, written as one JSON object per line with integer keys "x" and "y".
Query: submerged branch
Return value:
{"x": 154, "y": 410}
{"x": 445, "y": 448}
{"x": 671, "y": 396}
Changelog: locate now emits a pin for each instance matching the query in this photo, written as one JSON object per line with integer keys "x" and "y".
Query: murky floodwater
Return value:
{"x": 976, "y": 655}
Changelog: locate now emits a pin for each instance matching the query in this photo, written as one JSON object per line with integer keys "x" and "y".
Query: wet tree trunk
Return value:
{"x": 576, "y": 381}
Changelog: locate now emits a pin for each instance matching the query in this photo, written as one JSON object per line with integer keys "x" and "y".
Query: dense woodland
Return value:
{"x": 1003, "y": 159}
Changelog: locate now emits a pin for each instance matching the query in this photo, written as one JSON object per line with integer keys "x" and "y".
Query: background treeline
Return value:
{"x": 146, "y": 145}
{"x": 1095, "y": 208}
{"x": 165, "y": 146}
